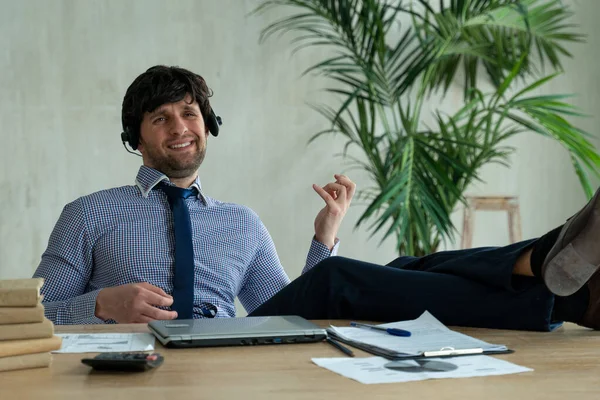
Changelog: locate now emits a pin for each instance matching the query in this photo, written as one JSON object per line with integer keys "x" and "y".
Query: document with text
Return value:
{"x": 371, "y": 370}
{"x": 105, "y": 342}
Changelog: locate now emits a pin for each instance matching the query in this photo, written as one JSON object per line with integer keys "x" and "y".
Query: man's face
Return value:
{"x": 173, "y": 138}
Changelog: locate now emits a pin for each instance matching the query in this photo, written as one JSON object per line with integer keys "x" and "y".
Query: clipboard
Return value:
{"x": 429, "y": 339}
{"x": 444, "y": 352}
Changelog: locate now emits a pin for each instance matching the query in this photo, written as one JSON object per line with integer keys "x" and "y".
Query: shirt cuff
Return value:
{"x": 81, "y": 310}
{"x": 318, "y": 252}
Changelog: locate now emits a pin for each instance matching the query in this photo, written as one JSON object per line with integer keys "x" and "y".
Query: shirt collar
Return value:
{"x": 147, "y": 178}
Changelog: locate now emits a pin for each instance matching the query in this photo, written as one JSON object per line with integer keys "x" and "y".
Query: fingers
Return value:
{"x": 156, "y": 313}
{"x": 156, "y": 299}
{"x": 154, "y": 295}
{"x": 331, "y": 199}
{"x": 135, "y": 302}
{"x": 342, "y": 187}
{"x": 144, "y": 319}
{"x": 154, "y": 289}
{"x": 336, "y": 190}
{"x": 324, "y": 195}
{"x": 350, "y": 186}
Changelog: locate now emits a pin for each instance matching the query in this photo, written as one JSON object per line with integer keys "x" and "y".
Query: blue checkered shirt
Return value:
{"x": 125, "y": 235}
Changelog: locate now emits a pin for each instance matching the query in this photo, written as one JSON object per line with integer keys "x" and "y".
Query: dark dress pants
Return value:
{"x": 473, "y": 287}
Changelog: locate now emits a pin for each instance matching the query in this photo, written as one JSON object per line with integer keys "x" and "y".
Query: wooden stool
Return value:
{"x": 491, "y": 203}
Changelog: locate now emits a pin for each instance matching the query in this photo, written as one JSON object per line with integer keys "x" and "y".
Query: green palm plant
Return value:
{"x": 388, "y": 57}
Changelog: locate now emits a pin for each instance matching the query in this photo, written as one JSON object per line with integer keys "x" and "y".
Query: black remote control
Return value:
{"x": 124, "y": 361}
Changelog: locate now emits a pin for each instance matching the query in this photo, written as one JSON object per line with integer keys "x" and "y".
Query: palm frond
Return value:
{"x": 498, "y": 33}
{"x": 382, "y": 71}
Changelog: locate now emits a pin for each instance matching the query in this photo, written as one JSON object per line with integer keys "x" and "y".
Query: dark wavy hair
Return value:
{"x": 157, "y": 86}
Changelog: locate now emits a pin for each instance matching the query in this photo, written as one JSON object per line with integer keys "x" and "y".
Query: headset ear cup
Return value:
{"x": 126, "y": 136}
{"x": 213, "y": 123}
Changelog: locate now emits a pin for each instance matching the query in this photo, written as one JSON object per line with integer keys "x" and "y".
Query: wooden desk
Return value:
{"x": 566, "y": 362}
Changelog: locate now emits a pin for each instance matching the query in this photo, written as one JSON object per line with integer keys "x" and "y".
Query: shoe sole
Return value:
{"x": 570, "y": 267}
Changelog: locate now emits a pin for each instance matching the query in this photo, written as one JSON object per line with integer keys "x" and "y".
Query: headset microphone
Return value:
{"x": 123, "y": 134}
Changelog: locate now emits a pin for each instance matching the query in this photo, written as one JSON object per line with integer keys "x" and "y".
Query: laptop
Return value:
{"x": 236, "y": 331}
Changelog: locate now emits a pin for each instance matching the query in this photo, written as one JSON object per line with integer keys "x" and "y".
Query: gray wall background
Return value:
{"x": 67, "y": 63}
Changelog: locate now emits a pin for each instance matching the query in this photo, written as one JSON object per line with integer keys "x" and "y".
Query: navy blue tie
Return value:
{"x": 183, "y": 282}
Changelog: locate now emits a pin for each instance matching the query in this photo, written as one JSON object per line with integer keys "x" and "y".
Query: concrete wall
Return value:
{"x": 67, "y": 63}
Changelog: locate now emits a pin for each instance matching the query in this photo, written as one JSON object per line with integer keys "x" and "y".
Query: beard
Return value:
{"x": 176, "y": 167}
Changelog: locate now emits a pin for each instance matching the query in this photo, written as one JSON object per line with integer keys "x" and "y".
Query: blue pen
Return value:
{"x": 391, "y": 331}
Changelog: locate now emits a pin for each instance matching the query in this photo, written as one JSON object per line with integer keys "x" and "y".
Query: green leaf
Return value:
{"x": 381, "y": 68}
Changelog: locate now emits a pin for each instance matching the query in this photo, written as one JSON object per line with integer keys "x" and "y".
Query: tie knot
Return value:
{"x": 174, "y": 192}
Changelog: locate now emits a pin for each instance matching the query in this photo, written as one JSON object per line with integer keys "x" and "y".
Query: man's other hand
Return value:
{"x": 337, "y": 196}
{"x": 134, "y": 303}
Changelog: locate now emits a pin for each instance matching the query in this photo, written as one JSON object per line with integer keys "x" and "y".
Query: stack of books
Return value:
{"x": 26, "y": 336}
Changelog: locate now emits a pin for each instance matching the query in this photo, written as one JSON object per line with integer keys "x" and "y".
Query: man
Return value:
{"x": 110, "y": 257}
{"x": 162, "y": 249}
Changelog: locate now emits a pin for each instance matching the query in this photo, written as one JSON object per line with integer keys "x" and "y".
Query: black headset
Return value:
{"x": 132, "y": 137}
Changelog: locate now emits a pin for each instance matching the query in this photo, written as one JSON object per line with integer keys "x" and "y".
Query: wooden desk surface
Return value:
{"x": 566, "y": 362}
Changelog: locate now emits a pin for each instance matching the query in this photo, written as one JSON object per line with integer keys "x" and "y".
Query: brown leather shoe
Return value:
{"x": 575, "y": 256}
{"x": 591, "y": 318}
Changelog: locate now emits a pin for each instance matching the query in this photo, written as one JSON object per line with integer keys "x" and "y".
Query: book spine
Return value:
{"x": 36, "y": 330}
{"x": 10, "y": 348}
{"x": 21, "y": 315}
{"x": 26, "y": 361}
{"x": 25, "y": 297}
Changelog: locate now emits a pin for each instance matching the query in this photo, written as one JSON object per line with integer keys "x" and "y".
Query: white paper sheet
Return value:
{"x": 371, "y": 370}
{"x": 105, "y": 342}
{"x": 428, "y": 334}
